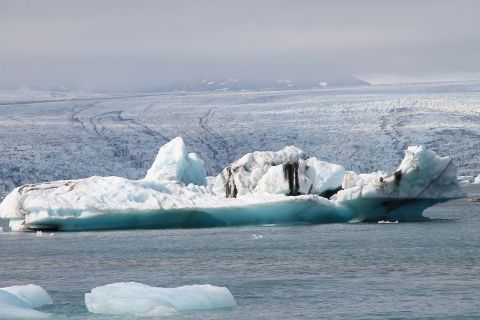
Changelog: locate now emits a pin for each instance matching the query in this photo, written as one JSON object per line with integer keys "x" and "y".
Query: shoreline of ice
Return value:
{"x": 262, "y": 187}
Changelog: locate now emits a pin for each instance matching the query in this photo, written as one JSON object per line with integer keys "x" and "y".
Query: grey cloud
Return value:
{"x": 134, "y": 44}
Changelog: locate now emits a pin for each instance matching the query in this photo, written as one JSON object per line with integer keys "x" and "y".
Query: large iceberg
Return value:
{"x": 262, "y": 187}
{"x": 18, "y": 302}
{"x": 137, "y": 299}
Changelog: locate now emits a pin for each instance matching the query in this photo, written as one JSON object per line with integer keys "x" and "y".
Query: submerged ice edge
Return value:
{"x": 262, "y": 187}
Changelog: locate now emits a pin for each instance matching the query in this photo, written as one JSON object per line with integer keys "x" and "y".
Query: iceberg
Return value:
{"x": 137, "y": 299}
{"x": 19, "y": 302}
{"x": 466, "y": 180}
{"x": 263, "y": 187}
{"x": 477, "y": 180}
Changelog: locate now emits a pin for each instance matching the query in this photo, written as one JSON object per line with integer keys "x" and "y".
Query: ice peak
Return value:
{"x": 174, "y": 163}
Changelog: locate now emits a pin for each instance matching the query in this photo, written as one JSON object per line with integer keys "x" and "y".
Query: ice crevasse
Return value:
{"x": 262, "y": 187}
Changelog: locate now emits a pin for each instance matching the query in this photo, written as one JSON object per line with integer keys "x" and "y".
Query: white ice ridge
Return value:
{"x": 136, "y": 299}
{"x": 262, "y": 187}
{"x": 18, "y": 302}
{"x": 288, "y": 171}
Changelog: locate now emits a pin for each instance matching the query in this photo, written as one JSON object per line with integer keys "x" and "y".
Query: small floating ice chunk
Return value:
{"x": 15, "y": 225}
{"x": 34, "y": 296}
{"x": 18, "y": 302}
{"x": 465, "y": 180}
{"x": 257, "y": 236}
{"x": 39, "y": 234}
{"x": 137, "y": 299}
{"x": 477, "y": 180}
{"x": 386, "y": 221}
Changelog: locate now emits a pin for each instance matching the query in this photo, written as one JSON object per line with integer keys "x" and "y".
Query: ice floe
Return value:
{"x": 137, "y": 299}
{"x": 387, "y": 222}
{"x": 19, "y": 302}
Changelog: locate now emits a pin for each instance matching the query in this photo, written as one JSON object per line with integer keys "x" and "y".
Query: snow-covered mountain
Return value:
{"x": 238, "y": 84}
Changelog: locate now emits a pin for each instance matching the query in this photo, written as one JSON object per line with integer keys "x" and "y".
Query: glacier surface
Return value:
{"x": 18, "y": 302}
{"x": 262, "y": 187}
{"x": 137, "y": 299}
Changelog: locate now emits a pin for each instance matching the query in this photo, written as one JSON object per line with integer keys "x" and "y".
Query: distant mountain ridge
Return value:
{"x": 208, "y": 84}
{"x": 238, "y": 84}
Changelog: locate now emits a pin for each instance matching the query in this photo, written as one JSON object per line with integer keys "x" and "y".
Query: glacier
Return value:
{"x": 263, "y": 187}
{"x": 119, "y": 135}
{"x": 19, "y": 302}
{"x": 137, "y": 299}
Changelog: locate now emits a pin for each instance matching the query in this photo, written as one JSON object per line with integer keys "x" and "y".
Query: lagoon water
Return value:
{"x": 427, "y": 270}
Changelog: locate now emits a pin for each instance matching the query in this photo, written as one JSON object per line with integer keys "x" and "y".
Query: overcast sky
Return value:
{"x": 135, "y": 44}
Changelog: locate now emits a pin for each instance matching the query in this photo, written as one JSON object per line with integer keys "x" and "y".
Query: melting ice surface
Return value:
{"x": 262, "y": 187}
{"x": 18, "y": 302}
{"x": 131, "y": 298}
